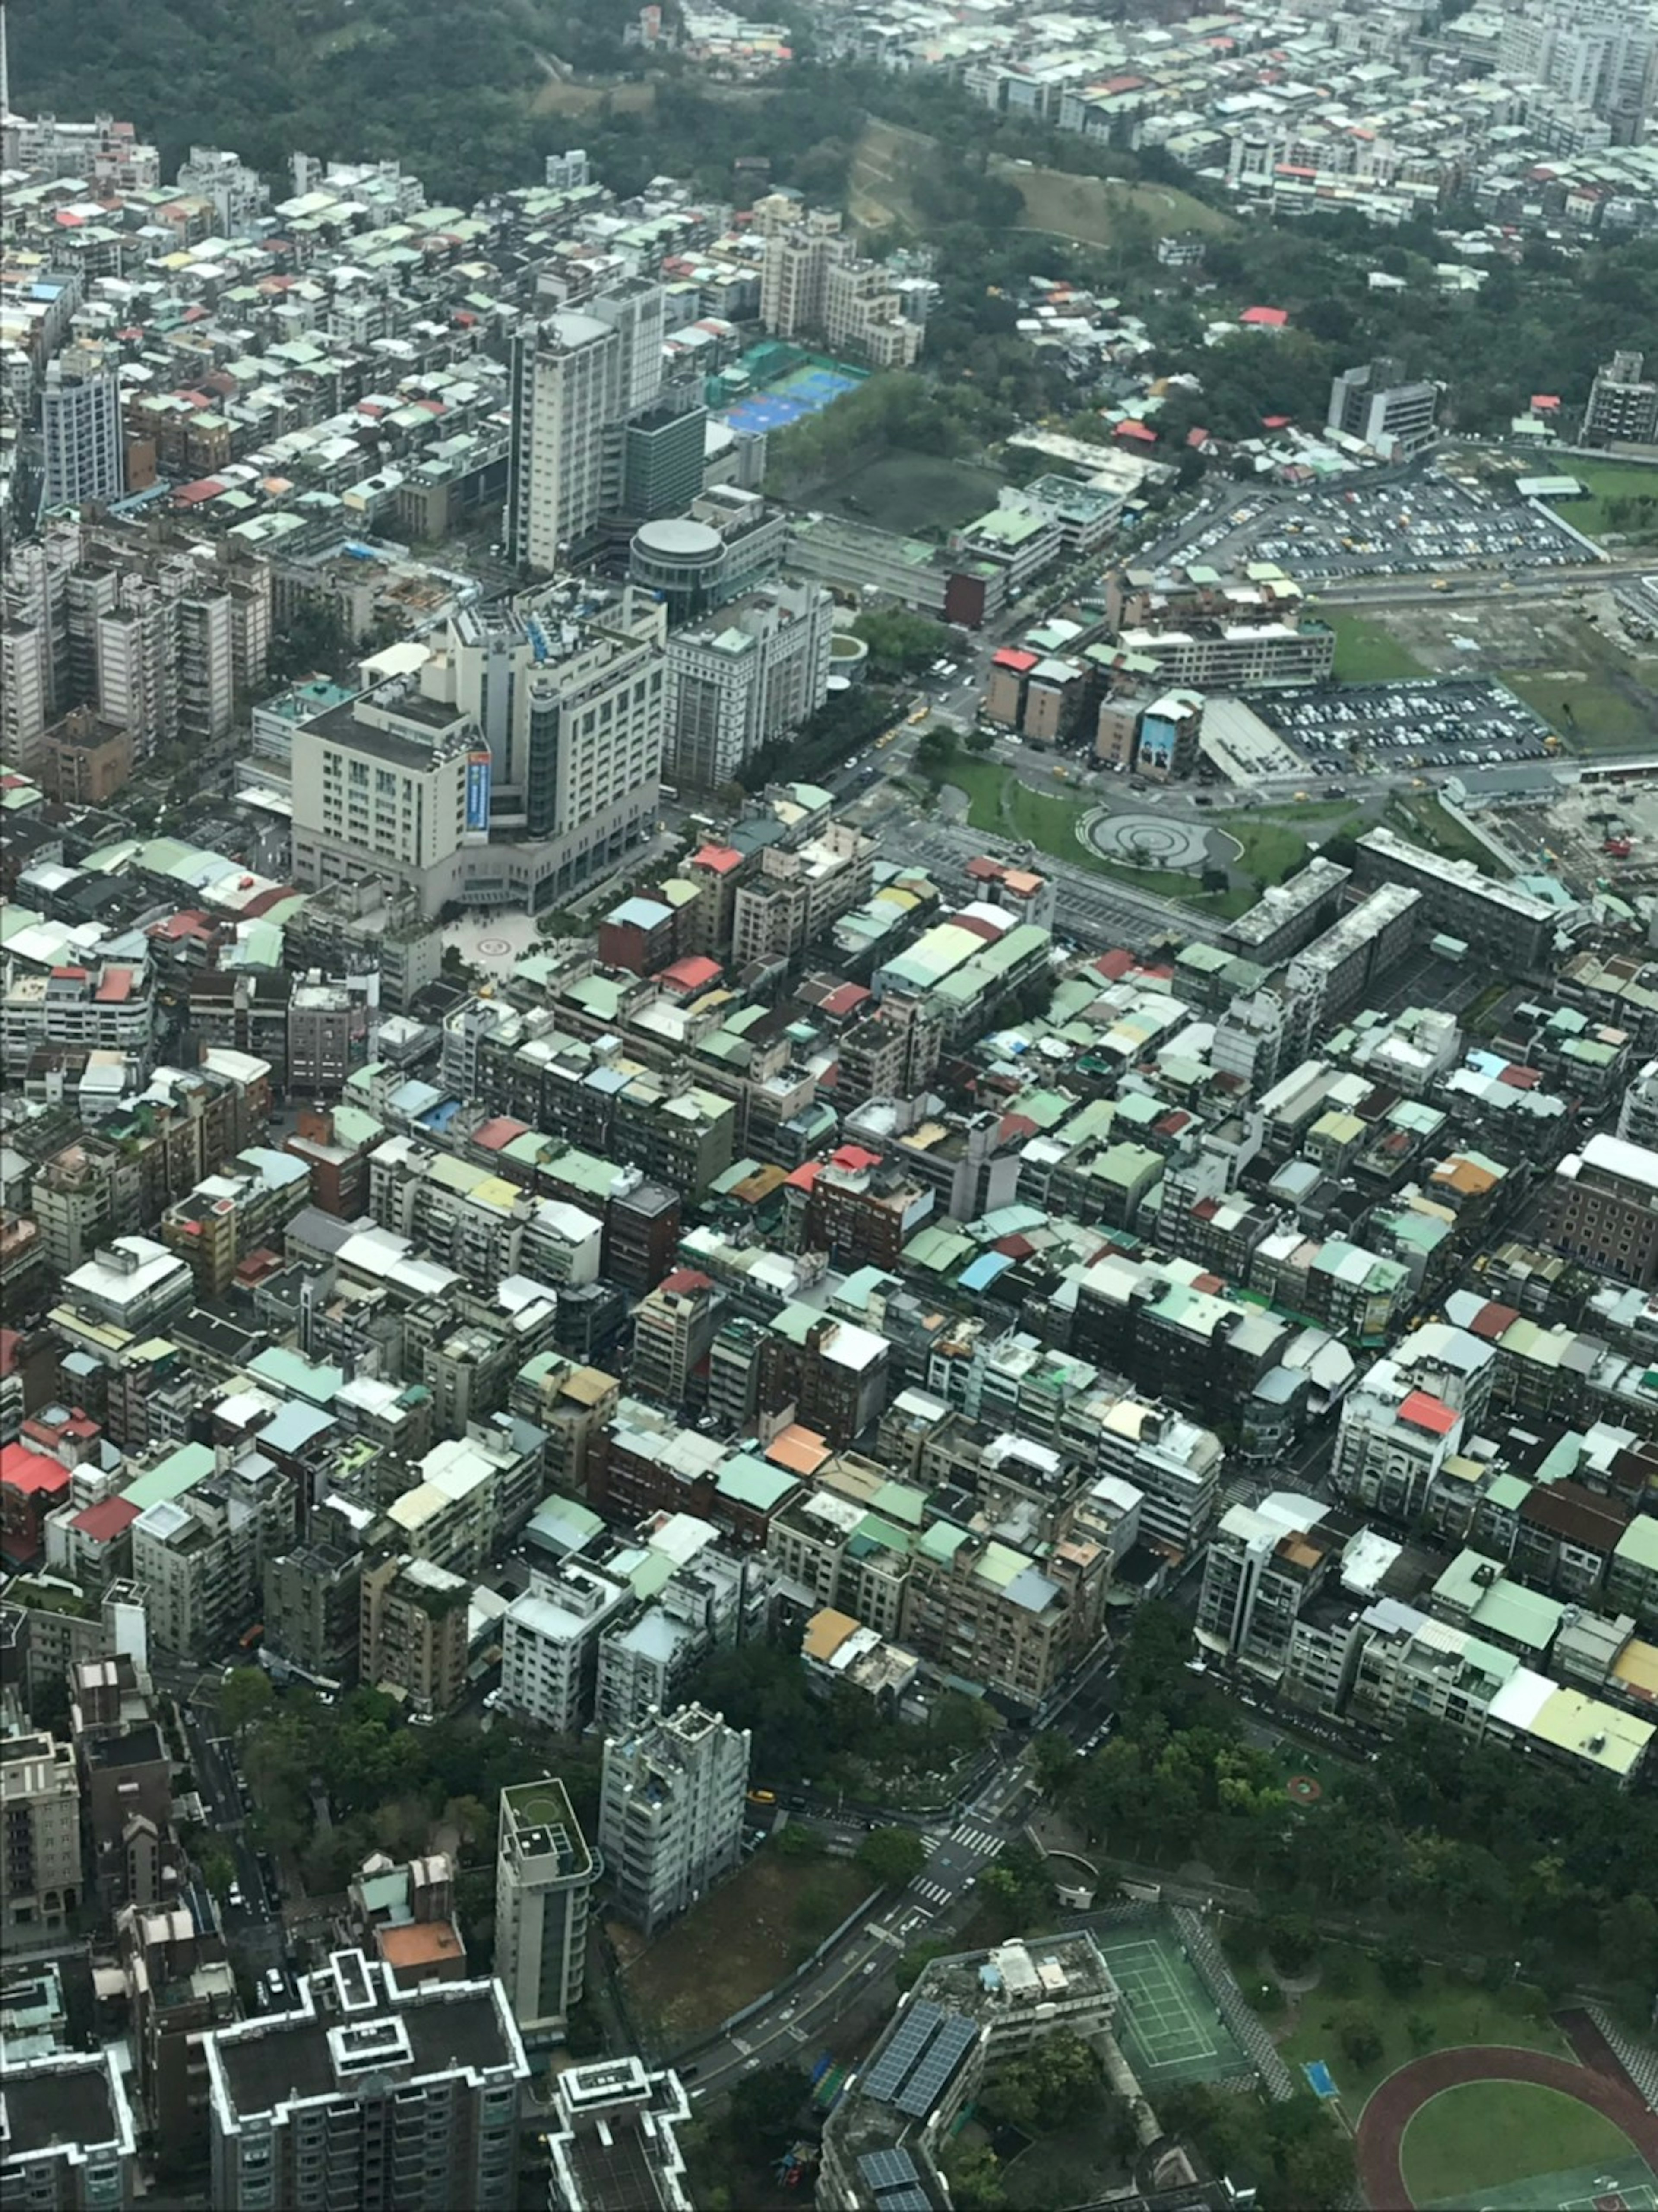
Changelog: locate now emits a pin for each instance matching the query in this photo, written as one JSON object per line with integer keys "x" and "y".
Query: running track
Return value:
{"x": 1395, "y": 2104}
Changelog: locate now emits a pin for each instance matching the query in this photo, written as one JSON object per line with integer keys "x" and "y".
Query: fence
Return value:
{"x": 1216, "y": 1976}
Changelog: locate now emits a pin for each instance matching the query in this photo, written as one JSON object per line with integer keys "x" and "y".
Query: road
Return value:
{"x": 253, "y": 1928}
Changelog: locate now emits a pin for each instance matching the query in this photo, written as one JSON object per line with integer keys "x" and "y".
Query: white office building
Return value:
{"x": 671, "y": 1812}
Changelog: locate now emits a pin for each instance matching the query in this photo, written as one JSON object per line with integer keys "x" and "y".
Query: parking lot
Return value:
{"x": 1425, "y": 524}
{"x": 1424, "y": 722}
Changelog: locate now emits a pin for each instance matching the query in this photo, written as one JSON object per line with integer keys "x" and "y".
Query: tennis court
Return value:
{"x": 1169, "y": 2025}
{"x": 802, "y": 392}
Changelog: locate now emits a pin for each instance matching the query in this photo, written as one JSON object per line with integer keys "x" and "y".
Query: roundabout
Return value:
{"x": 1159, "y": 840}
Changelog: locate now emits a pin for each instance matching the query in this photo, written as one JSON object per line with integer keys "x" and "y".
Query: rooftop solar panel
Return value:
{"x": 905, "y": 2045}
{"x": 944, "y": 2054}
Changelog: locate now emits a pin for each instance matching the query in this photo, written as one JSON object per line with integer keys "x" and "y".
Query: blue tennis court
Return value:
{"x": 802, "y": 391}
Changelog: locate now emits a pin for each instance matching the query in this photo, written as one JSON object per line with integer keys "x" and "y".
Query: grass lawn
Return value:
{"x": 912, "y": 493}
{"x": 556, "y": 95}
{"x": 1604, "y": 482}
{"x": 737, "y": 1943}
{"x": 1366, "y": 653}
{"x": 1090, "y": 209}
{"x": 1426, "y": 822}
{"x": 1448, "y": 2009}
{"x": 1475, "y": 2138}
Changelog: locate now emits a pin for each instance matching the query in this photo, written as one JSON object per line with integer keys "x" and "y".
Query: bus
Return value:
{"x": 251, "y": 1636}
{"x": 667, "y": 790}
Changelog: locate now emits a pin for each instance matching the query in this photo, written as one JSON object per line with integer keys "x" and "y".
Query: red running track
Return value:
{"x": 1392, "y": 2107}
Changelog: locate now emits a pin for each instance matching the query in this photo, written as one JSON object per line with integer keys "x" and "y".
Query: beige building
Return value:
{"x": 413, "y": 1632}
{"x": 40, "y": 1837}
{"x": 814, "y": 283}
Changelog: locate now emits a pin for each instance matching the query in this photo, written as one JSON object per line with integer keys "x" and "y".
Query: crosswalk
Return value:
{"x": 930, "y": 1844}
{"x": 934, "y": 1892}
{"x": 985, "y": 1841}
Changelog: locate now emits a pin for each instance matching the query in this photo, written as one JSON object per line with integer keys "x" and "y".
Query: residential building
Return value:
{"x": 368, "y": 2093}
{"x": 1393, "y": 1442}
{"x": 82, "y": 445}
{"x": 1262, "y": 1565}
{"x": 1603, "y": 1208}
{"x": 671, "y": 1812}
{"x": 745, "y": 681}
{"x": 68, "y": 2142}
{"x": 40, "y": 1837}
{"x": 613, "y": 2145}
{"x": 545, "y": 1877}
{"x": 413, "y": 1632}
{"x": 549, "y": 1643}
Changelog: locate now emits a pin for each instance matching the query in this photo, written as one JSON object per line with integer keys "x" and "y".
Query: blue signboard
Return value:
{"x": 477, "y": 791}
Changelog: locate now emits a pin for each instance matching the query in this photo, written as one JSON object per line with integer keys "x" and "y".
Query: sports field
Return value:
{"x": 1169, "y": 2026}
{"x": 802, "y": 392}
{"x": 1609, "y": 2186}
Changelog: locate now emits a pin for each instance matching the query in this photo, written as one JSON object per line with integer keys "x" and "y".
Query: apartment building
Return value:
{"x": 745, "y": 681}
{"x": 551, "y": 1641}
{"x": 1263, "y": 1565}
{"x": 1603, "y": 1209}
{"x": 544, "y": 1878}
{"x": 82, "y": 445}
{"x": 613, "y": 2145}
{"x": 40, "y": 1837}
{"x": 109, "y": 1006}
{"x": 368, "y": 2093}
{"x": 1393, "y": 1442}
{"x": 671, "y": 1812}
{"x": 412, "y": 1619}
{"x": 69, "y": 2142}
{"x": 674, "y": 1328}
{"x": 814, "y": 283}
{"x": 799, "y": 892}
{"x": 1623, "y": 403}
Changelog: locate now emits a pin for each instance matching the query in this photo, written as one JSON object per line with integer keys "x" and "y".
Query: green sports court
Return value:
{"x": 1616, "y": 2185}
{"x": 1168, "y": 2026}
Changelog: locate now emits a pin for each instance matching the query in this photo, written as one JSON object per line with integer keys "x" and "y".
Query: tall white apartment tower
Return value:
{"x": 81, "y": 428}
{"x": 544, "y": 1875}
{"x": 671, "y": 1812}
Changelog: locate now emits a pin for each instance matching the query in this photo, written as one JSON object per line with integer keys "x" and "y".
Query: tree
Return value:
{"x": 892, "y": 1856}
{"x": 244, "y": 1698}
{"x": 1291, "y": 1940}
{"x": 914, "y": 1962}
{"x": 935, "y": 751}
{"x": 797, "y": 1841}
{"x": 899, "y": 642}
{"x": 974, "y": 2175}
{"x": 1047, "y": 2086}
{"x": 981, "y": 741}
{"x": 764, "y": 2105}
{"x": 218, "y": 1870}
{"x": 1400, "y": 1967}
{"x": 1055, "y": 1763}
{"x": 1359, "y": 2037}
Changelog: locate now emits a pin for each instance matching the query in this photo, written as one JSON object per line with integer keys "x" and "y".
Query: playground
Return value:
{"x": 1168, "y": 2026}
{"x": 1491, "y": 2129}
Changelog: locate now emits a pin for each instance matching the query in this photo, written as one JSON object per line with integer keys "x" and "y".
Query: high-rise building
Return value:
{"x": 67, "y": 2138}
{"x": 1603, "y": 1209}
{"x": 578, "y": 378}
{"x": 1375, "y": 405}
{"x": 813, "y": 283}
{"x": 671, "y": 1812}
{"x": 737, "y": 684}
{"x": 40, "y": 1836}
{"x": 366, "y": 2093}
{"x": 81, "y": 428}
{"x": 1623, "y": 408}
{"x": 544, "y": 1875}
{"x": 1602, "y": 57}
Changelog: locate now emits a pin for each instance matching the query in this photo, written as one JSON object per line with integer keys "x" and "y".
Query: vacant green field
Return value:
{"x": 913, "y": 493}
{"x": 1443, "y": 2012}
{"x": 556, "y": 95}
{"x": 1366, "y": 653}
{"x": 1090, "y": 210}
{"x": 1608, "y": 484}
{"x": 1594, "y": 715}
{"x": 737, "y": 1943}
{"x": 1473, "y": 2139}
